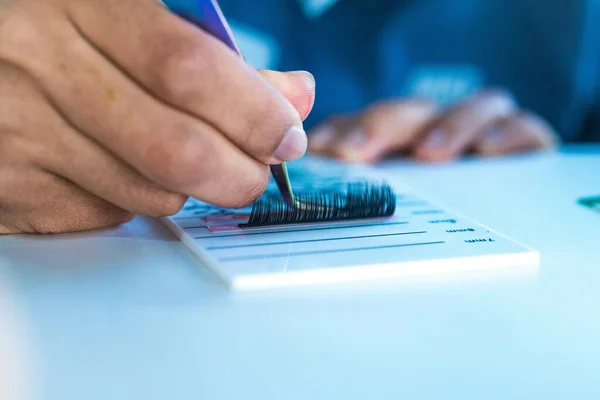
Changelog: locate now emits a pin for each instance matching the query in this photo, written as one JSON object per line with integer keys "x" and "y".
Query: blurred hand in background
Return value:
{"x": 488, "y": 123}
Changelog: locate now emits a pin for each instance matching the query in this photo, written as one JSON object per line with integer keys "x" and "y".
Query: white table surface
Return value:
{"x": 128, "y": 313}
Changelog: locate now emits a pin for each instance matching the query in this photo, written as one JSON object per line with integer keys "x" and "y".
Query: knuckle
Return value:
{"x": 15, "y": 144}
{"x": 23, "y": 31}
{"x": 528, "y": 119}
{"x": 15, "y": 28}
{"x": 178, "y": 65}
{"x": 450, "y": 124}
{"x": 339, "y": 123}
{"x": 537, "y": 128}
{"x": 8, "y": 132}
{"x": 373, "y": 124}
{"x": 376, "y": 112}
{"x": 180, "y": 159}
{"x": 379, "y": 120}
{"x": 498, "y": 96}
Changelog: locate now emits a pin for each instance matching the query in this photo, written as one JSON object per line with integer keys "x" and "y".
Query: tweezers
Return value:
{"x": 282, "y": 179}
{"x": 208, "y": 15}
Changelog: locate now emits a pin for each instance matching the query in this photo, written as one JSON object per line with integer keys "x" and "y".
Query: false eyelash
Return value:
{"x": 359, "y": 201}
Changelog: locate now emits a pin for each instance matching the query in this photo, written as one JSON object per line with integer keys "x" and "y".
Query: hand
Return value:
{"x": 488, "y": 124}
{"x": 118, "y": 107}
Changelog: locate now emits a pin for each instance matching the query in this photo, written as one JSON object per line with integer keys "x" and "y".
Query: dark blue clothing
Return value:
{"x": 547, "y": 53}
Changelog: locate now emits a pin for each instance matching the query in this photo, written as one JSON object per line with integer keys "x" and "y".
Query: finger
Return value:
{"x": 95, "y": 170}
{"x": 80, "y": 160}
{"x": 322, "y": 140}
{"x": 520, "y": 132}
{"x": 32, "y": 132}
{"x": 193, "y": 71}
{"x": 180, "y": 153}
{"x": 73, "y": 210}
{"x": 65, "y": 207}
{"x": 385, "y": 128}
{"x": 298, "y": 87}
{"x": 453, "y": 133}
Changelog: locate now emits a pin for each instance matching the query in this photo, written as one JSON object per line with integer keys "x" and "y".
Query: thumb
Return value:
{"x": 297, "y": 86}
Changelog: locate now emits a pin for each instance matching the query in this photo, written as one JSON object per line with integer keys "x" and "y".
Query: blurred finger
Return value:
{"x": 323, "y": 139}
{"x": 520, "y": 132}
{"x": 453, "y": 133}
{"x": 385, "y": 128}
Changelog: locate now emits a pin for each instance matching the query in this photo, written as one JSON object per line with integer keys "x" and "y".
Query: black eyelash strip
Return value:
{"x": 359, "y": 201}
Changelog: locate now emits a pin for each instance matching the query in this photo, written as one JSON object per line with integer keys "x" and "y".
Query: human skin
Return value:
{"x": 489, "y": 123}
{"x": 118, "y": 107}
